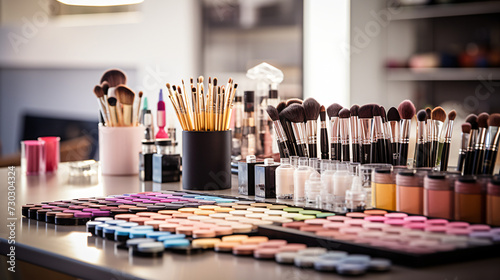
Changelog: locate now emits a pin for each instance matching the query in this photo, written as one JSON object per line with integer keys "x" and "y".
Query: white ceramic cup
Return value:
{"x": 119, "y": 149}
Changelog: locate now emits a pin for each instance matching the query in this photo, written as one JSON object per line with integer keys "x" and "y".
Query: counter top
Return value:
{"x": 70, "y": 250}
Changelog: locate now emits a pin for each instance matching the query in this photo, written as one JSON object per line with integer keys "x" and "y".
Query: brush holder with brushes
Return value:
{"x": 119, "y": 149}
{"x": 206, "y": 160}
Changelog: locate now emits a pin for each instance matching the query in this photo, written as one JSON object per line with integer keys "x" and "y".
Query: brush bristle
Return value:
{"x": 281, "y": 106}
{"x": 293, "y": 101}
{"x": 472, "y": 119}
{"x": 98, "y": 91}
{"x": 112, "y": 101}
{"x": 174, "y": 88}
{"x": 125, "y": 95}
{"x": 345, "y": 113}
{"x": 482, "y": 120}
{"x": 322, "y": 113}
{"x": 333, "y": 110}
{"x": 439, "y": 114}
{"x": 311, "y": 108}
{"x": 209, "y": 80}
{"x": 466, "y": 128}
{"x": 383, "y": 114}
{"x": 376, "y": 110}
{"x": 354, "y": 110}
{"x": 452, "y": 115}
{"x": 428, "y": 111}
{"x": 421, "y": 116}
{"x": 273, "y": 113}
{"x": 114, "y": 77}
{"x": 406, "y": 109}
{"x": 294, "y": 113}
{"x": 494, "y": 120}
{"x": 393, "y": 115}
{"x": 168, "y": 85}
{"x": 366, "y": 111}
{"x": 141, "y": 94}
{"x": 105, "y": 87}
{"x": 215, "y": 82}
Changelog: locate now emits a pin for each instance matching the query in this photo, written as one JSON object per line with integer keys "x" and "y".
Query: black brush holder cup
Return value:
{"x": 206, "y": 160}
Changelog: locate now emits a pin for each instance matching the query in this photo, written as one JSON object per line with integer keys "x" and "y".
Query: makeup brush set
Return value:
{"x": 116, "y": 100}
{"x": 368, "y": 134}
{"x": 200, "y": 109}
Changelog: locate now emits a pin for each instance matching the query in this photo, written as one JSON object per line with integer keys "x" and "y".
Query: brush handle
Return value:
{"x": 291, "y": 148}
{"x": 313, "y": 150}
{"x": 461, "y": 161}
{"x": 356, "y": 149}
{"x": 381, "y": 151}
{"x": 388, "y": 151}
{"x": 324, "y": 143}
{"x": 427, "y": 147}
{"x": 302, "y": 150}
{"x": 444, "y": 154}
{"x": 403, "y": 154}
{"x": 421, "y": 155}
{"x": 439, "y": 154}
{"x": 335, "y": 151}
{"x": 433, "y": 153}
{"x": 373, "y": 152}
{"x": 469, "y": 159}
{"x": 284, "y": 151}
{"x": 365, "y": 153}
{"x": 489, "y": 162}
{"x": 477, "y": 164}
{"x": 345, "y": 153}
{"x": 394, "y": 154}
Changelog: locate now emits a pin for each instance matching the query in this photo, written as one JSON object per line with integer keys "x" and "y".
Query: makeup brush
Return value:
{"x": 335, "y": 146}
{"x": 112, "y": 111}
{"x": 280, "y": 133}
{"x": 287, "y": 127}
{"x": 296, "y": 115}
{"x": 355, "y": 136}
{"x": 281, "y": 106}
{"x": 114, "y": 77}
{"x": 99, "y": 93}
{"x": 293, "y": 101}
{"x": 365, "y": 124}
{"x": 406, "y": 111}
{"x": 479, "y": 148}
{"x": 387, "y": 135}
{"x": 438, "y": 116}
{"x": 462, "y": 153}
{"x": 469, "y": 156}
{"x": 138, "y": 109}
{"x": 443, "y": 153}
{"x": 420, "y": 149}
{"x": 311, "y": 109}
{"x": 323, "y": 133}
{"x": 126, "y": 97}
{"x": 393, "y": 119}
{"x": 492, "y": 139}
{"x": 105, "y": 88}
{"x": 344, "y": 116}
{"x": 377, "y": 137}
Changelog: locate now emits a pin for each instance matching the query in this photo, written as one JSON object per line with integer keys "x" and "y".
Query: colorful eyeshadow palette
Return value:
{"x": 190, "y": 222}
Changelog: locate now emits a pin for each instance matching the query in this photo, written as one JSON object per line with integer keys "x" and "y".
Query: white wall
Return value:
{"x": 326, "y": 61}
{"x": 161, "y": 43}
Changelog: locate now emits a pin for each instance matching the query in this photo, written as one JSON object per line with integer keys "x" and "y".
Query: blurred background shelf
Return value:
{"x": 442, "y": 74}
{"x": 448, "y": 10}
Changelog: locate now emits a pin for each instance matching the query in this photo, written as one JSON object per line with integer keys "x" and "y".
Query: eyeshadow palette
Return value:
{"x": 187, "y": 222}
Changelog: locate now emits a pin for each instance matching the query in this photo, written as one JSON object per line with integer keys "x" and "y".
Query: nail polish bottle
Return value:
{"x": 246, "y": 175}
{"x": 265, "y": 179}
{"x": 146, "y": 160}
{"x": 166, "y": 165}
